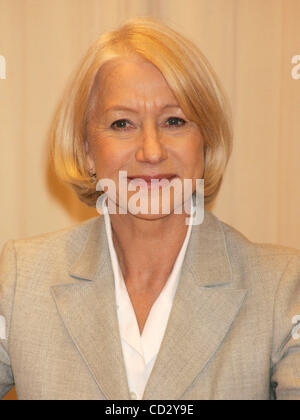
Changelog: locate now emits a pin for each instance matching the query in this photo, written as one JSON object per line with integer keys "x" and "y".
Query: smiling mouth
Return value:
{"x": 149, "y": 177}
{"x": 139, "y": 180}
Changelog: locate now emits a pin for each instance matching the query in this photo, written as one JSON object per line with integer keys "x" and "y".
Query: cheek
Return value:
{"x": 193, "y": 159}
{"x": 109, "y": 159}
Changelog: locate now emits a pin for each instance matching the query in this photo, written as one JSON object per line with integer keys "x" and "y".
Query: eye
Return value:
{"x": 176, "y": 122}
{"x": 120, "y": 124}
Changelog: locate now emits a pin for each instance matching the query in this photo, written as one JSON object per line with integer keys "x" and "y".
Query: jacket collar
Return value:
{"x": 206, "y": 256}
{"x": 204, "y": 308}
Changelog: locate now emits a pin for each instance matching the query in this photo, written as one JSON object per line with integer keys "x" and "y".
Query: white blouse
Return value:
{"x": 140, "y": 351}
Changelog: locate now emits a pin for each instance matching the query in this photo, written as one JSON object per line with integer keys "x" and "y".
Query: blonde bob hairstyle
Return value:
{"x": 189, "y": 75}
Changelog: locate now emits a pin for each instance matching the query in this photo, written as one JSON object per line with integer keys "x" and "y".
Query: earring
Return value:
{"x": 93, "y": 176}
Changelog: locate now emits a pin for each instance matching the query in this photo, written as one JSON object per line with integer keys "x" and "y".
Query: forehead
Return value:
{"x": 131, "y": 79}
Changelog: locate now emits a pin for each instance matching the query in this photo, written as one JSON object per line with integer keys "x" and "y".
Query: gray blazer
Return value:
{"x": 230, "y": 333}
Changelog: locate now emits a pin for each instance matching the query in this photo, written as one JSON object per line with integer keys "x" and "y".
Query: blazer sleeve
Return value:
{"x": 7, "y": 287}
{"x": 285, "y": 363}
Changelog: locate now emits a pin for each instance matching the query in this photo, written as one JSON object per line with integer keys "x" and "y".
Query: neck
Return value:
{"x": 147, "y": 249}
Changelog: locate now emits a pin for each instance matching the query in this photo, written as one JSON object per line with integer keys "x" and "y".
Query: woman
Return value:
{"x": 136, "y": 303}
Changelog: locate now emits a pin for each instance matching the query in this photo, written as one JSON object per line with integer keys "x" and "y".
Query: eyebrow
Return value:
{"x": 126, "y": 108}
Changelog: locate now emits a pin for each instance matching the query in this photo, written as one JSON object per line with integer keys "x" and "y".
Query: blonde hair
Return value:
{"x": 189, "y": 75}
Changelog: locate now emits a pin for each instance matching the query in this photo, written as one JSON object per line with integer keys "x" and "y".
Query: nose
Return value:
{"x": 151, "y": 150}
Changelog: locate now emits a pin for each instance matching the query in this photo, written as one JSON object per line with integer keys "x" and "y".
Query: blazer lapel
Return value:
{"x": 86, "y": 305}
{"x": 204, "y": 308}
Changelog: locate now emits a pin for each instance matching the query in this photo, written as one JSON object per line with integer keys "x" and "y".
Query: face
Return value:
{"x": 136, "y": 125}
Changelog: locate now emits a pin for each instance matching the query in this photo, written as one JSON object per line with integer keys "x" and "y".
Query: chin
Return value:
{"x": 151, "y": 208}
{"x": 160, "y": 212}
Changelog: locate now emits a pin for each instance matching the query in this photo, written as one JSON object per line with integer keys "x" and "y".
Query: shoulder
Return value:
{"x": 253, "y": 262}
{"x": 234, "y": 238}
{"x": 53, "y": 247}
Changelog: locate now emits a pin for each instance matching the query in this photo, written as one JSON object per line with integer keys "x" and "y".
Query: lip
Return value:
{"x": 136, "y": 179}
{"x": 149, "y": 177}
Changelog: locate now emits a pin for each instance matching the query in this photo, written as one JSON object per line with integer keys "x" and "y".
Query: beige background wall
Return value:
{"x": 250, "y": 43}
